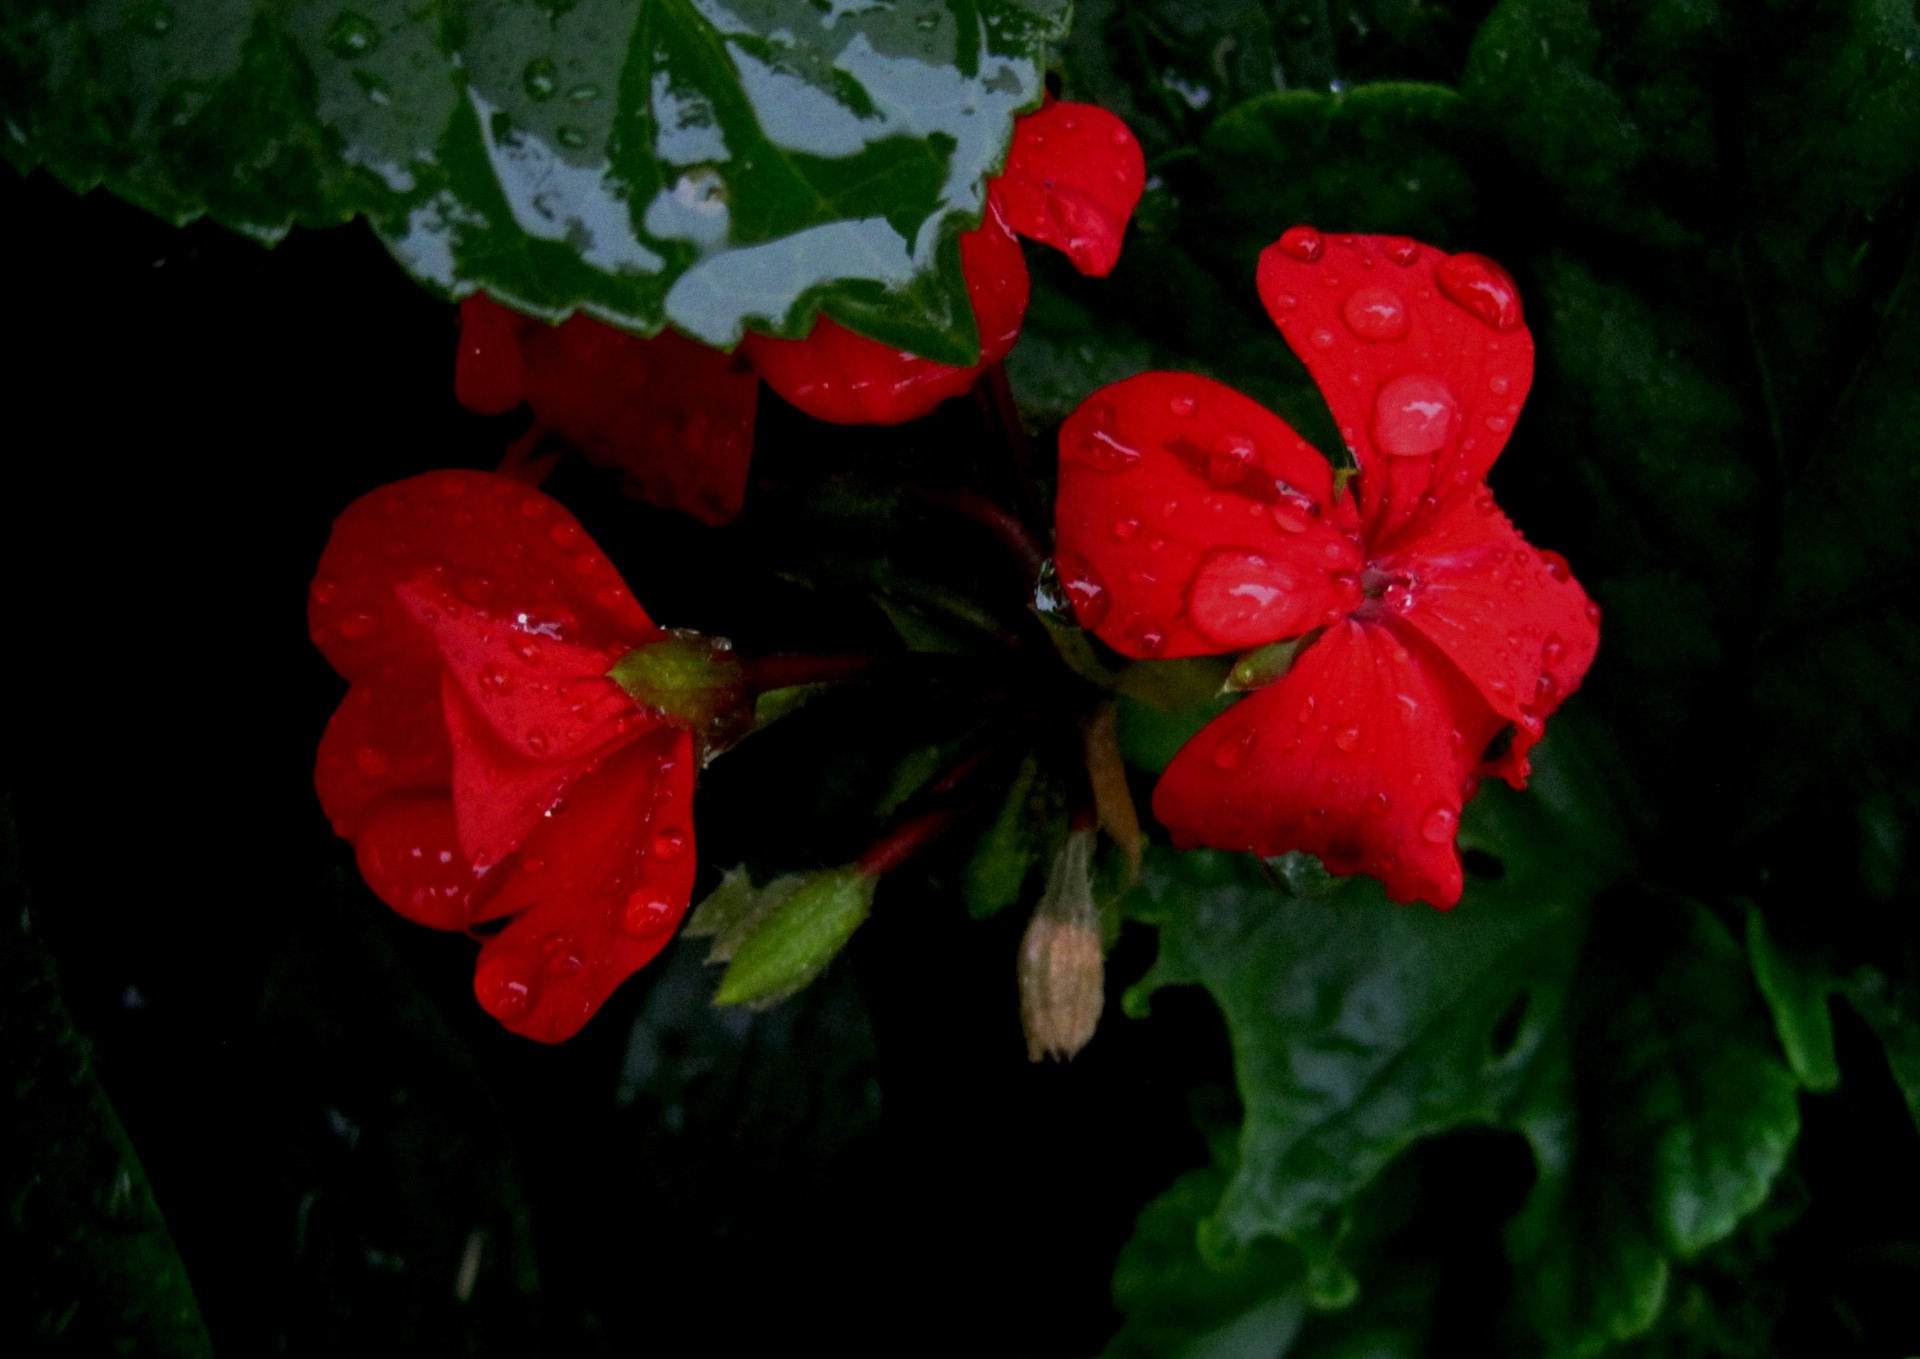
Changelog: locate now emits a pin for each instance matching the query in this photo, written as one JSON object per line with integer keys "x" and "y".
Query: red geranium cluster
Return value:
{"x": 1432, "y": 641}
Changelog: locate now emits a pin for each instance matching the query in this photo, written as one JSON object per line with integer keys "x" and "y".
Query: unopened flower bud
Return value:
{"x": 693, "y": 681}
{"x": 1062, "y": 963}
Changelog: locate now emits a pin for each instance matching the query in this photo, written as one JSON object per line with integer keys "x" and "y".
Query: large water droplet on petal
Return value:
{"x": 646, "y": 912}
{"x": 1346, "y": 738}
{"x": 1414, "y": 415}
{"x": 1401, "y": 250}
{"x": 1436, "y": 828}
{"x": 1243, "y": 599}
{"x": 1303, "y": 243}
{"x": 563, "y": 954}
{"x": 1100, "y": 448}
{"x": 669, "y": 844}
{"x": 1481, "y": 287}
{"x": 1232, "y": 456}
{"x": 506, "y": 988}
{"x": 1376, "y": 315}
{"x": 1091, "y": 599}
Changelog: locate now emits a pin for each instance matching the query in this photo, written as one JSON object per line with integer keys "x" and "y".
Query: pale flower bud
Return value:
{"x": 1062, "y": 964}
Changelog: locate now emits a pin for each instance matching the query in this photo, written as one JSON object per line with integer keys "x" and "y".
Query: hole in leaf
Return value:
{"x": 1506, "y": 1029}
{"x": 1483, "y": 865}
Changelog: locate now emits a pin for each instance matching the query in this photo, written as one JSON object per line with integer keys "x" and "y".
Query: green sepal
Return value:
{"x": 789, "y": 945}
{"x": 693, "y": 681}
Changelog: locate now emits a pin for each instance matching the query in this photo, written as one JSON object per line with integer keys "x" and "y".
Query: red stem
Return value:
{"x": 899, "y": 844}
{"x": 1000, "y": 522}
{"x": 785, "y": 670}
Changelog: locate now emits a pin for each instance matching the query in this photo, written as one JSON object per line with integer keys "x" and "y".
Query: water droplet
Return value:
{"x": 1556, "y": 566}
{"x": 1307, "y": 709}
{"x": 1593, "y": 613}
{"x": 1232, "y": 751}
{"x": 564, "y": 534}
{"x": 358, "y": 625}
{"x": 156, "y": 21}
{"x": 1243, "y": 599}
{"x": 1498, "y": 384}
{"x": 537, "y": 743}
{"x": 540, "y": 78}
{"x": 1401, "y": 250}
{"x": 1294, "y": 513}
{"x": 378, "y": 92}
{"x": 646, "y": 912}
{"x": 372, "y": 761}
{"x": 1498, "y": 423}
{"x": 563, "y": 954}
{"x": 1099, "y": 448}
{"x": 669, "y": 844}
{"x": 570, "y": 136}
{"x": 583, "y": 94}
{"x": 533, "y": 867}
{"x": 1120, "y": 136}
{"x": 1481, "y": 287}
{"x": 352, "y": 35}
{"x": 1124, "y": 529}
{"x": 1321, "y": 340}
{"x": 1148, "y": 640}
{"x": 1232, "y": 456}
{"x": 1303, "y": 243}
{"x": 1285, "y": 301}
{"x": 494, "y": 678}
{"x": 1436, "y": 827}
{"x": 1554, "y": 651}
{"x": 506, "y": 988}
{"x": 1414, "y": 415}
{"x": 1084, "y": 588}
{"x": 1182, "y": 403}
{"x": 1346, "y": 738}
{"x": 1376, "y": 315}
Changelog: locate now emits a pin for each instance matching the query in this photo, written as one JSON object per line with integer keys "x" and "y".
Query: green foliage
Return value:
{"x": 95, "y": 1271}
{"x": 776, "y": 940}
{"x": 675, "y": 163}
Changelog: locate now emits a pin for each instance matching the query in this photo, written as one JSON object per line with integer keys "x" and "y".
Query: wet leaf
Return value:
{"x": 682, "y": 163}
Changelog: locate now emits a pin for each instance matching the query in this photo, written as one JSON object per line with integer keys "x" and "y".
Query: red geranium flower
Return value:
{"x": 1193, "y": 521}
{"x": 677, "y": 418}
{"x": 483, "y": 764}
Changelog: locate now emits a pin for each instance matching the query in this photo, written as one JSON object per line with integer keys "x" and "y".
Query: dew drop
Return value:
{"x": 154, "y": 20}
{"x": 669, "y": 845}
{"x": 1482, "y": 288}
{"x": 1346, "y": 738}
{"x": 537, "y": 742}
{"x": 646, "y": 912}
{"x": 1124, "y": 529}
{"x": 1593, "y": 613}
{"x": 1294, "y": 514}
{"x": 570, "y": 136}
{"x": 1436, "y": 827}
{"x": 1401, "y": 250}
{"x": 494, "y": 678}
{"x": 325, "y": 591}
{"x": 1321, "y": 340}
{"x": 1414, "y": 415}
{"x": 564, "y": 534}
{"x": 506, "y": 988}
{"x": 1243, "y": 599}
{"x": 583, "y": 94}
{"x": 1554, "y": 651}
{"x": 1182, "y": 403}
{"x": 540, "y": 78}
{"x": 535, "y": 507}
{"x": 1376, "y": 315}
{"x": 1100, "y": 449}
{"x": 1232, "y": 456}
{"x": 1084, "y": 587}
{"x": 1499, "y": 384}
{"x": 1302, "y": 243}
{"x": 359, "y": 625}
{"x": 352, "y": 36}
{"x": 1307, "y": 709}
{"x": 1285, "y": 301}
{"x": 372, "y": 761}
{"x": 564, "y": 955}
{"x": 1556, "y": 566}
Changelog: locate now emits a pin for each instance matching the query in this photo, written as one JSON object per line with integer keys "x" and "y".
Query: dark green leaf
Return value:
{"x": 1026, "y": 833}
{"x": 791, "y": 944}
{"x": 1796, "y": 991}
{"x": 93, "y": 1268}
{"x": 1892, "y": 1011}
{"x": 653, "y": 162}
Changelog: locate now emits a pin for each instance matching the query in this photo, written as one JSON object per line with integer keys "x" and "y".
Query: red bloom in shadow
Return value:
{"x": 677, "y": 418}
{"x": 487, "y": 771}
{"x": 1193, "y": 521}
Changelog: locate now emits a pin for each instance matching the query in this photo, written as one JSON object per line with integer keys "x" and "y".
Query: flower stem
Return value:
{"x": 899, "y": 844}
{"x": 787, "y": 670}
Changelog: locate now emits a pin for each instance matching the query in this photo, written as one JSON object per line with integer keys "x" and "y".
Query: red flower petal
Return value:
{"x": 836, "y": 375}
{"x": 1074, "y": 176}
{"x": 494, "y": 543}
{"x": 489, "y": 370}
{"x": 410, "y": 855}
{"x": 1512, "y": 619}
{"x": 1358, "y": 755}
{"x": 500, "y": 792}
{"x": 1192, "y": 520}
{"x": 385, "y": 737}
{"x": 673, "y": 416}
{"x": 1422, "y": 357}
{"x": 596, "y": 893}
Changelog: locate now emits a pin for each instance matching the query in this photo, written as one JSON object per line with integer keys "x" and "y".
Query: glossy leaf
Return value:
{"x": 683, "y": 163}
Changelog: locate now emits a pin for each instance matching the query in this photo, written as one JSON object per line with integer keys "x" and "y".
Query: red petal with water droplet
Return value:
{"x": 409, "y": 853}
{"x": 489, "y": 370}
{"x": 1424, "y": 365}
{"x": 1356, "y": 755}
{"x": 848, "y": 379}
{"x": 605, "y": 902}
{"x": 1073, "y": 178}
{"x": 1512, "y": 619}
{"x": 1206, "y": 522}
{"x": 496, "y": 544}
{"x": 674, "y": 417}
{"x": 386, "y": 737}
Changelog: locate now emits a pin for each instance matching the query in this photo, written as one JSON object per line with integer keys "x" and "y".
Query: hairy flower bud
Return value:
{"x": 1062, "y": 964}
